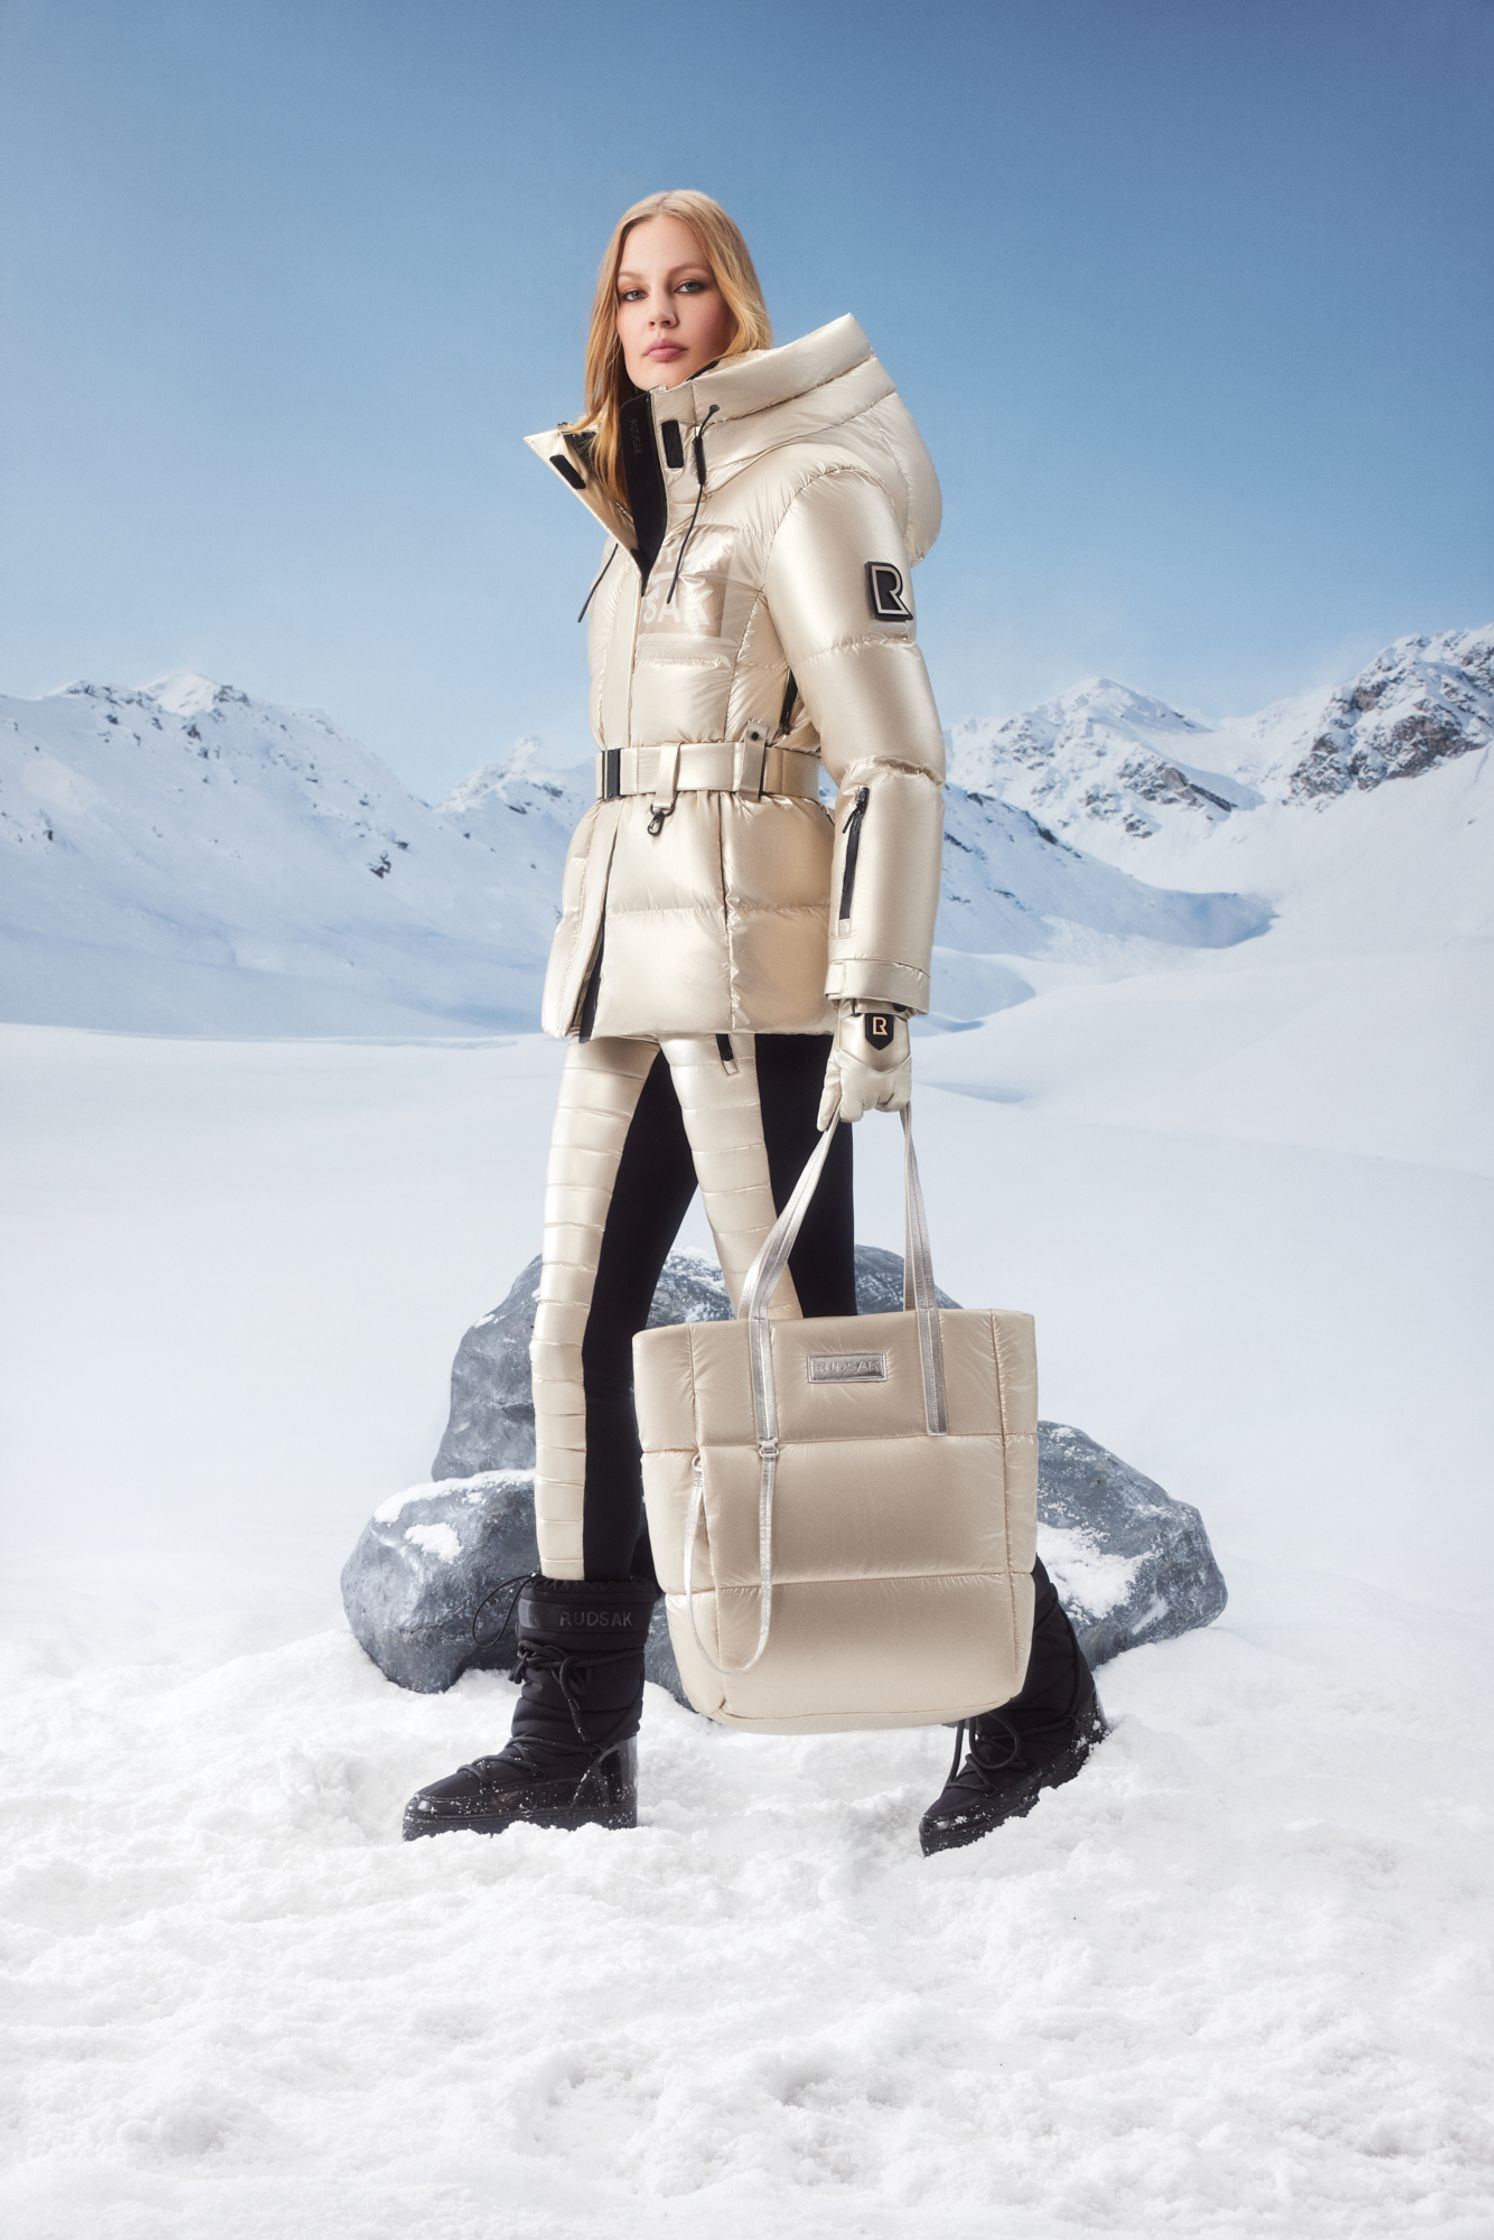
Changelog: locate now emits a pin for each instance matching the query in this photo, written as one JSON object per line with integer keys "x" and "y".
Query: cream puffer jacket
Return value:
{"x": 707, "y": 887}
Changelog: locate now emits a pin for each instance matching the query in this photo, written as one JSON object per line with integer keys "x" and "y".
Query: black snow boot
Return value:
{"x": 1037, "y": 1740}
{"x": 571, "y": 1758}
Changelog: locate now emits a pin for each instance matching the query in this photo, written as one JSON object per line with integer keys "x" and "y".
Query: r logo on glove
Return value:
{"x": 871, "y": 1062}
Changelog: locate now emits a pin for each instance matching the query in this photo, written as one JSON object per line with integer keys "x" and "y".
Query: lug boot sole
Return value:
{"x": 1012, "y": 1802}
{"x": 613, "y": 1802}
{"x": 623, "y": 1814}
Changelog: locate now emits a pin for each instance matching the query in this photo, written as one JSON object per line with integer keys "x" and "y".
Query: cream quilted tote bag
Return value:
{"x": 843, "y": 1509}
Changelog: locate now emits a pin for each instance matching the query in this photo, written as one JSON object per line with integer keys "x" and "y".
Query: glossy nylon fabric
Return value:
{"x": 746, "y": 913}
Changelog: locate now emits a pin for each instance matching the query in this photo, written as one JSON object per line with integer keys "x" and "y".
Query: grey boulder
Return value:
{"x": 422, "y": 1587}
{"x": 490, "y": 1425}
{"x": 1130, "y": 1563}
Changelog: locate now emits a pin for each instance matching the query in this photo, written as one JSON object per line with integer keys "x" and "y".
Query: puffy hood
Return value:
{"x": 827, "y": 385}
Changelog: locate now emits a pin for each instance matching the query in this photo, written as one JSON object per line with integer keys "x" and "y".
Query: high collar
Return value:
{"x": 761, "y": 398}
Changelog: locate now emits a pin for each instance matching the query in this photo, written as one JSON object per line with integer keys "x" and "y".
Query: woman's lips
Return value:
{"x": 666, "y": 350}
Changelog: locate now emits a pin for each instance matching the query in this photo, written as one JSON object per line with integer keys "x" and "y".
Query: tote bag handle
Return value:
{"x": 758, "y": 1287}
{"x": 761, "y": 1279}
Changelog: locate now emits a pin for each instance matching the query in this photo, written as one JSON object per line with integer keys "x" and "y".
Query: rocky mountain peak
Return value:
{"x": 1422, "y": 700}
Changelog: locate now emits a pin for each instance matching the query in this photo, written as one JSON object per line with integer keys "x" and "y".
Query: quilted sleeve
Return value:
{"x": 838, "y": 586}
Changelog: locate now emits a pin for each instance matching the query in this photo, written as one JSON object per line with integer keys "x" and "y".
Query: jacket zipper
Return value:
{"x": 852, "y": 830}
{"x": 700, "y": 482}
{"x": 586, "y": 1002}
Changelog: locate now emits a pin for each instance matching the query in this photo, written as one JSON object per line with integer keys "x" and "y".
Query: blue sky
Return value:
{"x": 1191, "y": 299}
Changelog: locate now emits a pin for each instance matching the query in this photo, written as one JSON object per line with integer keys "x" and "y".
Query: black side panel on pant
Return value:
{"x": 651, "y": 1195}
{"x": 650, "y": 1198}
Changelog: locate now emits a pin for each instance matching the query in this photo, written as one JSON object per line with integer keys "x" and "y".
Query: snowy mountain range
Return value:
{"x": 181, "y": 858}
{"x": 1106, "y": 765}
{"x": 184, "y": 859}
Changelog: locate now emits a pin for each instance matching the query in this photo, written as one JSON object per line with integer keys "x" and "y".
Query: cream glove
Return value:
{"x": 871, "y": 1061}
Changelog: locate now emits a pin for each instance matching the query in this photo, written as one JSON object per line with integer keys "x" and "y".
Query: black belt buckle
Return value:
{"x": 611, "y": 774}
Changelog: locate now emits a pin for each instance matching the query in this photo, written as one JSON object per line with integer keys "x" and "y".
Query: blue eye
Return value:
{"x": 626, "y": 295}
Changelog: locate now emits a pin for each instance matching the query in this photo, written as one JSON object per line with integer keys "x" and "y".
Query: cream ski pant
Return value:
{"x": 638, "y": 1123}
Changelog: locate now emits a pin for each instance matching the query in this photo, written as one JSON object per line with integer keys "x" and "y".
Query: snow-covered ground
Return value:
{"x": 1206, "y": 1088}
{"x": 1234, "y": 1980}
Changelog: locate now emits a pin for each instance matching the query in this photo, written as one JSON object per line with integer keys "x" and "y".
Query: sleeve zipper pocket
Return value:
{"x": 852, "y": 830}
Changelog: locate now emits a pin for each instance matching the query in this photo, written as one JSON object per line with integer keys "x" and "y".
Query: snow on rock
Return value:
{"x": 428, "y": 1588}
{"x": 1130, "y": 1562}
{"x": 416, "y": 1586}
{"x": 438, "y": 1540}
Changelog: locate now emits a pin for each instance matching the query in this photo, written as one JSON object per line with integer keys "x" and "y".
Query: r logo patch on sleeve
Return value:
{"x": 884, "y": 588}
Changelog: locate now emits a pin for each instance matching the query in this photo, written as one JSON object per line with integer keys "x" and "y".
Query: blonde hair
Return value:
{"x": 608, "y": 386}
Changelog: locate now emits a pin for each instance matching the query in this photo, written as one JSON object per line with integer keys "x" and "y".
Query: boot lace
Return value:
{"x": 571, "y": 1668}
{"x": 983, "y": 1763}
{"x": 518, "y": 1580}
{"x": 988, "y": 1759}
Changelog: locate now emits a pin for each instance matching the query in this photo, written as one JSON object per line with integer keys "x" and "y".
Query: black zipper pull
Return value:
{"x": 606, "y": 564}
{"x": 852, "y": 830}
{"x": 700, "y": 477}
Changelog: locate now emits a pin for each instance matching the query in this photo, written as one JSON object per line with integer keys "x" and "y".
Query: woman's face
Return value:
{"x": 672, "y": 318}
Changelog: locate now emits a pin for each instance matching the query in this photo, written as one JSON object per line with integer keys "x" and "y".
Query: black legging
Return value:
{"x": 654, "y": 1185}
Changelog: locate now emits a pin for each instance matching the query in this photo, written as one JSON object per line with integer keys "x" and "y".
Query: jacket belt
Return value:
{"x": 748, "y": 765}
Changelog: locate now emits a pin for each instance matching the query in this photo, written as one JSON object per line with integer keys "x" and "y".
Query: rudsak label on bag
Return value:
{"x": 845, "y": 1368}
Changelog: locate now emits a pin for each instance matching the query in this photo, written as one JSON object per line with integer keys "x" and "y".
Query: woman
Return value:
{"x": 733, "y": 963}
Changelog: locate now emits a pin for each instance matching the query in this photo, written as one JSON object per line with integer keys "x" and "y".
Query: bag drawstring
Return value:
{"x": 700, "y": 478}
